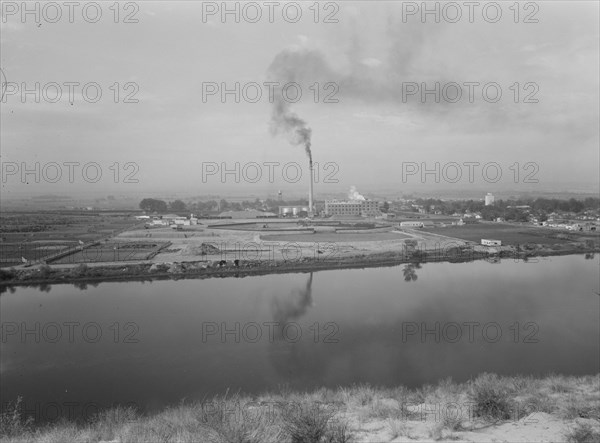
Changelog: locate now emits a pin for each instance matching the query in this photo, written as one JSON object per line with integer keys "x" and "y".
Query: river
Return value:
{"x": 153, "y": 344}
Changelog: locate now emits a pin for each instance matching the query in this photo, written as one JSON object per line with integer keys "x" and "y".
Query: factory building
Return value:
{"x": 365, "y": 208}
{"x": 370, "y": 207}
{"x": 292, "y": 211}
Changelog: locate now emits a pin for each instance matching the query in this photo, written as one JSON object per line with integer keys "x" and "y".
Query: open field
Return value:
{"x": 11, "y": 253}
{"x": 487, "y": 408}
{"x": 198, "y": 250}
{"x": 278, "y": 246}
{"x": 508, "y": 233}
{"x": 292, "y": 225}
{"x": 334, "y": 237}
{"x": 34, "y": 236}
{"x": 113, "y": 252}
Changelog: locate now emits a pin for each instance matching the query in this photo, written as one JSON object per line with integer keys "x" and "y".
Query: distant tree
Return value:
{"x": 80, "y": 271}
{"x": 386, "y": 207}
{"x": 153, "y": 205}
{"x": 177, "y": 206}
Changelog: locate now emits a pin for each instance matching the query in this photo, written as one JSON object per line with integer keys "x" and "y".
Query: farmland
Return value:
{"x": 112, "y": 252}
{"x": 509, "y": 234}
{"x": 34, "y": 236}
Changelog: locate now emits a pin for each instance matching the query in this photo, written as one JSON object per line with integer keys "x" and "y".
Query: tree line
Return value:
{"x": 153, "y": 205}
{"x": 508, "y": 209}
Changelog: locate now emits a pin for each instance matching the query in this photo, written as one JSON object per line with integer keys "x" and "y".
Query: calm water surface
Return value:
{"x": 164, "y": 341}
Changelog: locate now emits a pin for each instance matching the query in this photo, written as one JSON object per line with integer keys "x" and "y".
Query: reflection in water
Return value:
{"x": 409, "y": 271}
{"x": 45, "y": 287}
{"x": 293, "y": 307}
{"x": 495, "y": 259}
{"x": 3, "y": 289}
{"x": 84, "y": 285}
{"x": 170, "y": 359}
{"x": 289, "y": 354}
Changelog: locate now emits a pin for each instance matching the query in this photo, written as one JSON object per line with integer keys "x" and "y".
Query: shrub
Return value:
{"x": 222, "y": 418}
{"x": 397, "y": 428}
{"x": 540, "y": 402}
{"x": 559, "y": 384}
{"x": 7, "y": 274}
{"x": 45, "y": 271}
{"x": 310, "y": 423}
{"x": 490, "y": 398}
{"x": 576, "y": 407}
{"x": 337, "y": 432}
{"x": 12, "y": 423}
{"x": 364, "y": 394}
{"x": 107, "y": 423}
{"x": 80, "y": 270}
{"x": 583, "y": 433}
{"x": 383, "y": 410}
{"x": 452, "y": 416}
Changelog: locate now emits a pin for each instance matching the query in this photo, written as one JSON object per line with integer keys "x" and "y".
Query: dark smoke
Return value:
{"x": 304, "y": 67}
{"x": 284, "y": 121}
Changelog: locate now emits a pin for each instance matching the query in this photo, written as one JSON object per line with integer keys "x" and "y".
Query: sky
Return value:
{"x": 162, "y": 127}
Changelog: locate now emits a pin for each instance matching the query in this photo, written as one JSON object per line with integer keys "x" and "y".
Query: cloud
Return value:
{"x": 372, "y": 62}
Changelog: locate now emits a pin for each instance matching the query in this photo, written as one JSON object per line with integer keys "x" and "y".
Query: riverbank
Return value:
{"x": 149, "y": 270}
{"x": 488, "y": 408}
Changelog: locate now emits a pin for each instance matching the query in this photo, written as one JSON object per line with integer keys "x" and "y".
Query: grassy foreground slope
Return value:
{"x": 488, "y": 408}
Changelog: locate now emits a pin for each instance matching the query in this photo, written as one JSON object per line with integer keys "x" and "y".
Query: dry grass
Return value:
{"x": 582, "y": 433}
{"x": 335, "y": 415}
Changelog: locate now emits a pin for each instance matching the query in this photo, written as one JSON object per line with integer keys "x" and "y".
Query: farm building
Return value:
{"x": 489, "y": 242}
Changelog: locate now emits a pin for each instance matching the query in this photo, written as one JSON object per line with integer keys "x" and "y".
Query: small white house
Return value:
{"x": 411, "y": 224}
{"x": 489, "y": 242}
{"x": 158, "y": 223}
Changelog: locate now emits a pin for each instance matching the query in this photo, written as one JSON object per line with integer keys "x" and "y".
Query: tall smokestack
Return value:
{"x": 310, "y": 189}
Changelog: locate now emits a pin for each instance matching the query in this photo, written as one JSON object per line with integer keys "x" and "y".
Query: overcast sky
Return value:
{"x": 371, "y": 54}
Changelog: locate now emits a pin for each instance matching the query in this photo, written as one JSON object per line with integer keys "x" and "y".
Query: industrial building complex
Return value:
{"x": 365, "y": 208}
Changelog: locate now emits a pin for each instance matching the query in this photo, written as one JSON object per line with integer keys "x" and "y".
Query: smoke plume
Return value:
{"x": 353, "y": 194}
{"x": 284, "y": 121}
{"x": 303, "y": 67}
